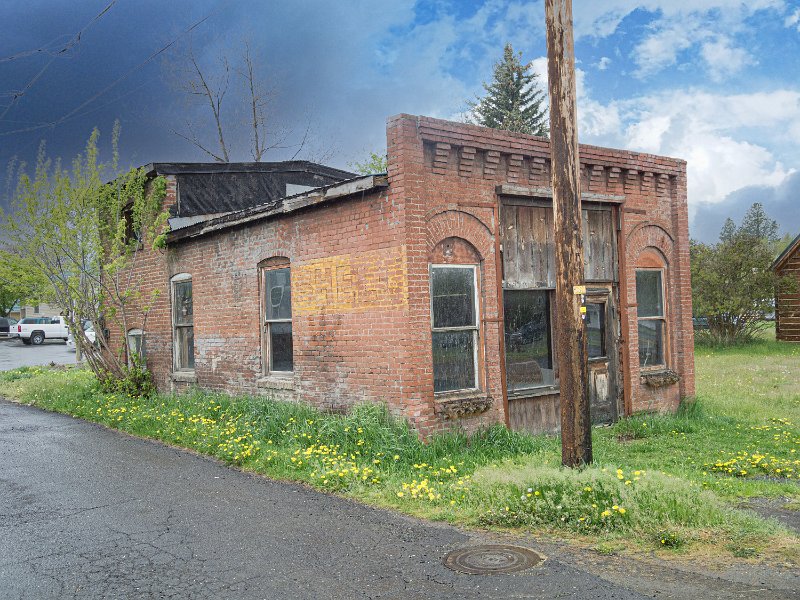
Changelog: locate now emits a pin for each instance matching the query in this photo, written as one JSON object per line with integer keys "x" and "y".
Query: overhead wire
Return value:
{"x": 74, "y": 111}
{"x": 73, "y": 41}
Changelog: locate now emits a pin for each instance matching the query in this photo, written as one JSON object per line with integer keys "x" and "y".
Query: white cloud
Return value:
{"x": 718, "y": 135}
{"x": 793, "y": 20}
{"x": 724, "y": 59}
{"x": 677, "y": 27}
{"x": 603, "y": 63}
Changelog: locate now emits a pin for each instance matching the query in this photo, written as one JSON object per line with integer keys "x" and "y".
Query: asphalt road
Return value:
{"x": 14, "y": 354}
{"x": 87, "y": 512}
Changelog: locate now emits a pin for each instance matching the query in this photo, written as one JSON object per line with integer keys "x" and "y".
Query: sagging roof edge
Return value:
{"x": 283, "y": 206}
{"x": 169, "y": 168}
{"x": 787, "y": 252}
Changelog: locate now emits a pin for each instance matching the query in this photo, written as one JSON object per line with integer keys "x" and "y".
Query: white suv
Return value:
{"x": 34, "y": 330}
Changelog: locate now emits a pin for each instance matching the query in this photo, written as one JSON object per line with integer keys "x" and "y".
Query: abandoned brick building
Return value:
{"x": 787, "y": 299}
{"x": 428, "y": 288}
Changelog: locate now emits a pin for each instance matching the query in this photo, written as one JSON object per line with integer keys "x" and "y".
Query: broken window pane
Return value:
{"x": 529, "y": 353}
{"x": 648, "y": 294}
{"x": 278, "y": 294}
{"x": 183, "y": 303}
{"x": 651, "y": 343}
{"x": 596, "y": 330}
{"x": 280, "y": 343}
{"x": 453, "y": 297}
{"x": 135, "y": 345}
{"x": 453, "y": 360}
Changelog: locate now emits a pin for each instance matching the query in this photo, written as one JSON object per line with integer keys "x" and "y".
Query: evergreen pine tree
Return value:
{"x": 514, "y": 99}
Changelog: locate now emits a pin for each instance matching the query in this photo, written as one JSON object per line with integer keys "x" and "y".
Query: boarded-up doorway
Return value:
{"x": 527, "y": 237}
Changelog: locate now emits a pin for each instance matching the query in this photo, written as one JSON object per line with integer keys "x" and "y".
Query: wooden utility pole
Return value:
{"x": 576, "y": 433}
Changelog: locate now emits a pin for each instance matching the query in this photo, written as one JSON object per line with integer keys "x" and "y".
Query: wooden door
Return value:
{"x": 602, "y": 335}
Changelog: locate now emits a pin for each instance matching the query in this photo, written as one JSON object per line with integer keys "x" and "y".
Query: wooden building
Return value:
{"x": 787, "y": 302}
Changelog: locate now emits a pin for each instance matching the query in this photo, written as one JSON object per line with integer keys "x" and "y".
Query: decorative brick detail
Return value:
{"x": 662, "y": 185}
{"x": 647, "y": 182}
{"x": 597, "y": 178}
{"x": 538, "y": 172}
{"x": 514, "y": 168}
{"x": 615, "y": 180}
{"x": 466, "y": 162}
{"x": 441, "y": 157}
{"x": 631, "y": 181}
{"x": 491, "y": 162}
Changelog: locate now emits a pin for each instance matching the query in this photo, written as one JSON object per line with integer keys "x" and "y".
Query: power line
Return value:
{"x": 72, "y": 42}
{"x": 106, "y": 89}
{"x": 66, "y": 48}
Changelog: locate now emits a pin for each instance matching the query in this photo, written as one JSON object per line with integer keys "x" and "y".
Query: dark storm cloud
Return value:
{"x": 781, "y": 203}
{"x": 335, "y": 69}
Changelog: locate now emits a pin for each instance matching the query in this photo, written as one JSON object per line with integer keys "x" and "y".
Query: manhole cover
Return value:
{"x": 489, "y": 559}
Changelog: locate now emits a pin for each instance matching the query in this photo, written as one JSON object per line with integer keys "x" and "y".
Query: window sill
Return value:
{"x": 659, "y": 377}
{"x": 532, "y": 392}
{"x": 454, "y": 405}
{"x": 276, "y": 382}
{"x": 184, "y": 376}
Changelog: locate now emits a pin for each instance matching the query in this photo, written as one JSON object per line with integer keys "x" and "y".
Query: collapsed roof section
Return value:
{"x": 212, "y": 189}
{"x": 335, "y": 191}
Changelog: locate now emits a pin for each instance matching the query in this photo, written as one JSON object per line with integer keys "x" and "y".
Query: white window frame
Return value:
{"x": 180, "y": 278}
{"x": 476, "y": 328}
{"x": 266, "y": 323}
{"x": 662, "y": 318}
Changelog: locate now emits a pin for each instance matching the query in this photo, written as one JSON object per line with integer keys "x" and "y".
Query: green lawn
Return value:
{"x": 670, "y": 482}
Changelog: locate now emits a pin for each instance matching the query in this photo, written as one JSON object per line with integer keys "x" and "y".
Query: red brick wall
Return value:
{"x": 448, "y": 174}
{"x": 349, "y": 302}
{"x": 360, "y": 275}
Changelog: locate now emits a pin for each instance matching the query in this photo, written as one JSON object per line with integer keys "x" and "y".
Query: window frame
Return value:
{"x": 274, "y": 264}
{"x": 475, "y": 329}
{"x": 176, "y": 363}
{"x": 602, "y": 302}
{"x": 663, "y": 318}
{"x": 544, "y": 388}
{"x": 132, "y": 333}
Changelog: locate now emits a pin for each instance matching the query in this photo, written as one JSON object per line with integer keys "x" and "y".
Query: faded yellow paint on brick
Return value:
{"x": 351, "y": 282}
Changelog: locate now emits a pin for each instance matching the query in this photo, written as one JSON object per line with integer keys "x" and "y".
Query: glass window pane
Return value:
{"x": 651, "y": 343}
{"x": 135, "y": 343}
{"x": 453, "y": 296}
{"x": 280, "y": 345}
{"x": 529, "y": 353}
{"x": 278, "y": 289}
{"x": 453, "y": 360}
{"x": 185, "y": 347}
{"x": 648, "y": 294}
{"x": 596, "y": 330}
{"x": 183, "y": 303}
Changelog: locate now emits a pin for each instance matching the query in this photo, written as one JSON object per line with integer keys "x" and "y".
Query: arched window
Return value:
{"x": 183, "y": 322}
{"x": 455, "y": 323}
{"x": 135, "y": 339}
{"x": 276, "y": 316}
{"x": 651, "y": 309}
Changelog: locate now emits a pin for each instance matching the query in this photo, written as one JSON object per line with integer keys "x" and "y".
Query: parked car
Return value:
{"x": 8, "y": 327}
{"x": 88, "y": 330}
{"x": 34, "y": 330}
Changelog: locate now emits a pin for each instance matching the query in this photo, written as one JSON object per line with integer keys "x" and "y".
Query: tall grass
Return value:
{"x": 651, "y": 484}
